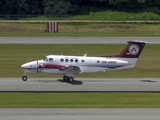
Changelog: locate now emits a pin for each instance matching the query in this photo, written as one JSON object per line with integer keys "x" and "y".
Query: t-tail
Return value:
{"x": 132, "y": 52}
{"x": 133, "y": 49}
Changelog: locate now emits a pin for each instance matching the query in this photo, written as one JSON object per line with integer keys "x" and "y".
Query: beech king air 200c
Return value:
{"x": 70, "y": 65}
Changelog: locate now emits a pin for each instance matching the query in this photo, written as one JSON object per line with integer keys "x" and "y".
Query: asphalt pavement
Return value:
{"x": 75, "y": 40}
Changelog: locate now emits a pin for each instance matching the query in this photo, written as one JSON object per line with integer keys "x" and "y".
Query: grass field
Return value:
{"x": 80, "y": 100}
{"x": 81, "y": 29}
{"x": 15, "y": 55}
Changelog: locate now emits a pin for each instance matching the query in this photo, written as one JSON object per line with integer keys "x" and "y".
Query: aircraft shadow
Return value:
{"x": 147, "y": 81}
{"x": 76, "y": 82}
{"x": 45, "y": 81}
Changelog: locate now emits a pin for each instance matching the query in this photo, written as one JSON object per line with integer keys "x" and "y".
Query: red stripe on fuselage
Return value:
{"x": 55, "y": 66}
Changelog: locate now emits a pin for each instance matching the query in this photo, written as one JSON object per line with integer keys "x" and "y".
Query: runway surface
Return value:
{"x": 75, "y": 40}
{"x": 80, "y": 84}
{"x": 80, "y": 114}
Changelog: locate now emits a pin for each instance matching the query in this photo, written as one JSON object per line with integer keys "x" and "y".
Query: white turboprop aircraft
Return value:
{"x": 70, "y": 65}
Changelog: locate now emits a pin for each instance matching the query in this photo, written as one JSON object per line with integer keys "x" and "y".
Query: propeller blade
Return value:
{"x": 38, "y": 68}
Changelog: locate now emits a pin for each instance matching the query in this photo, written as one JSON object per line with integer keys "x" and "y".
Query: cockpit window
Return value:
{"x": 45, "y": 59}
{"x": 50, "y": 59}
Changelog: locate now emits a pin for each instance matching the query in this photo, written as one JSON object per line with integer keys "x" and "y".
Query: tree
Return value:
{"x": 21, "y": 7}
{"x": 34, "y": 7}
{"x": 57, "y": 8}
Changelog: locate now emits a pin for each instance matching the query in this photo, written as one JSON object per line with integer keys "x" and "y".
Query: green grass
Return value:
{"x": 80, "y": 100}
{"x": 81, "y": 29}
{"x": 107, "y": 15}
{"x": 13, "y": 56}
{"x": 117, "y": 15}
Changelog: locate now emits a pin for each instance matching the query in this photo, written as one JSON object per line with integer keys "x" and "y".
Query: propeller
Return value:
{"x": 38, "y": 68}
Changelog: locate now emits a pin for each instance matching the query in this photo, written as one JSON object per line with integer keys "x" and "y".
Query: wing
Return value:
{"x": 66, "y": 69}
{"x": 71, "y": 69}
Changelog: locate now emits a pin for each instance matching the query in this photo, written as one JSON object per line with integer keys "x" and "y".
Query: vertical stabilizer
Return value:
{"x": 133, "y": 49}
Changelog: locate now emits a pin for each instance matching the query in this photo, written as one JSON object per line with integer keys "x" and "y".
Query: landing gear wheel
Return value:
{"x": 24, "y": 78}
{"x": 65, "y": 78}
{"x": 71, "y": 79}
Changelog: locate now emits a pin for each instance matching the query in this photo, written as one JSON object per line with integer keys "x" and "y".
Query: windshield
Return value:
{"x": 45, "y": 59}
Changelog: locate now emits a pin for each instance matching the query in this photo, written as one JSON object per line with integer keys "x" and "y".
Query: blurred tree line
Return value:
{"x": 73, "y": 7}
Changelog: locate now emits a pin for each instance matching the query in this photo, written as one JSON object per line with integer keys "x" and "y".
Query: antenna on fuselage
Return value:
{"x": 85, "y": 55}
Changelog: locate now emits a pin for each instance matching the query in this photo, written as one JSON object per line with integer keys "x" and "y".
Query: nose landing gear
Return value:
{"x": 24, "y": 77}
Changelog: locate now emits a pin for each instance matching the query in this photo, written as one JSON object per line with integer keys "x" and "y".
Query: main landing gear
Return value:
{"x": 67, "y": 78}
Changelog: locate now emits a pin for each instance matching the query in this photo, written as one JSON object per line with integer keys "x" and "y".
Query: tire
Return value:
{"x": 71, "y": 79}
{"x": 65, "y": 78}
{"x": 24, "y": 78}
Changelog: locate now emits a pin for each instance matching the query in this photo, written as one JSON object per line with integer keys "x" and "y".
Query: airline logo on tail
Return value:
{"x": 133, "y": 49}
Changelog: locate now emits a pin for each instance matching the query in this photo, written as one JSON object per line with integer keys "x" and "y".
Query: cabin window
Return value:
{"x": 98, "y": 61}
{"x": 71, "y": 60}
{"x": 50, "y": 59}
{"x": 66, "y": 60}
{"x": 76, "y": 60}
{"x": 82, "y": 60}
{"x": 61, "y": 59}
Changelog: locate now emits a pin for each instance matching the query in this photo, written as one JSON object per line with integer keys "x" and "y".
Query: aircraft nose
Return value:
{"x": 24, "y": 66}
{"x": 29, "y": 65}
